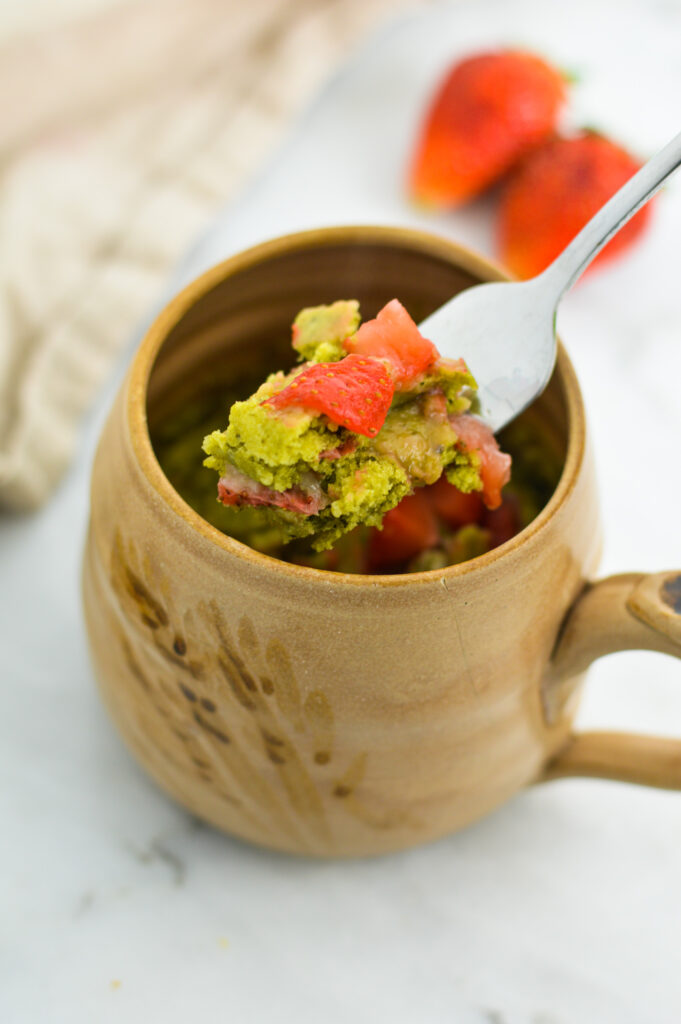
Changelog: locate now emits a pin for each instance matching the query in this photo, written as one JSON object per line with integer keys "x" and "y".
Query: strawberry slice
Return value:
{"x": 235, "y": 488}
{"x": 394, "y": 336}
{"x": 555, "y": 192}
{"x": 505, "y": 521}
{"x": 495, "y": 466}
{"x": 490, "y": 110}
{"x": 407, "y": 530}
{"x": 452, "y": 506}
{"x": 355, "y": 392}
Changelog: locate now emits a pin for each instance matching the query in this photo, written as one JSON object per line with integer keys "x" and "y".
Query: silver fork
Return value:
{"x": 506, "y": 331}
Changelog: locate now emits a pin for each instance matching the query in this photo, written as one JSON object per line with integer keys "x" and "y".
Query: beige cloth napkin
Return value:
{"x": 121, "y": 135}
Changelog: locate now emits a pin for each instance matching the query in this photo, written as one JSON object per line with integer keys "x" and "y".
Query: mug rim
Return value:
{"x": 416, "y": 239}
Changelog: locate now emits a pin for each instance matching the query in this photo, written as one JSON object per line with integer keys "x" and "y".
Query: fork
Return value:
{"x": 506, "y": 331}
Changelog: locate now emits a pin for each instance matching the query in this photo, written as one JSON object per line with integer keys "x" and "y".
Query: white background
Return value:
{"x": 563, "y": 907}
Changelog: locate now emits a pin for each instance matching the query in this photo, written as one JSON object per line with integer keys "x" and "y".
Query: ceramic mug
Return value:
{"x": 333, "y": 714}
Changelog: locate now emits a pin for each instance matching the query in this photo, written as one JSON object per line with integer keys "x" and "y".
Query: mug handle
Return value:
{"x": 633, "y": 611}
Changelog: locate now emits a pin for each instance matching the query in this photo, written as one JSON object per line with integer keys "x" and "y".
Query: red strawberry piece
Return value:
{"x": 435, "y": 407}
{"x": 555, "y": 192}
{"x": 235, "y": 488}
{"x": 346, "y": 448}
{"x": 452, "y": 506}
{"x": 355, "y": 392}
{"x": 495, "y": 466}
{"x": 503, "y": 522}
{"x": 394, "y": 336}
{"x": 407, "y": 530}
{"x": 490, "y": 110}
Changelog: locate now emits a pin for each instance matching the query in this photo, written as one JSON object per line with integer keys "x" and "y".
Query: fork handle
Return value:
{"x": 577, "y": 256}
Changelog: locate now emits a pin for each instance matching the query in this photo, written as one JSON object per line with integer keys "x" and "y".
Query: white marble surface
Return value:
{"x": 562, "y": 908}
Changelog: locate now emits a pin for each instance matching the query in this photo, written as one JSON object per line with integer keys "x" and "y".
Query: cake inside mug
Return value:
{"x": 365, "y": 457}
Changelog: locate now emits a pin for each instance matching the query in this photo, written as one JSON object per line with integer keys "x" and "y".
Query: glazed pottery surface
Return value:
{"x": 331, "y": 714}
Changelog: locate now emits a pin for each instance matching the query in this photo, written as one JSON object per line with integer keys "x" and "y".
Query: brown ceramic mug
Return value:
{"x": 334, "y": 714}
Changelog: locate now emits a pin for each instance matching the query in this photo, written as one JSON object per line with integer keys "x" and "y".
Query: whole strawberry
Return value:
{"x": 556, "y": 190}
{"x": 490, "y": 110}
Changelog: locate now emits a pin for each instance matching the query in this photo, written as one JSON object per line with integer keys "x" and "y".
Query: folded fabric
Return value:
{"x": 134, "y": 127}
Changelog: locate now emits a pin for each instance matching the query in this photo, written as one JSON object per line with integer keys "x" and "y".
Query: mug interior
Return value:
{"x": 236, "y": 328}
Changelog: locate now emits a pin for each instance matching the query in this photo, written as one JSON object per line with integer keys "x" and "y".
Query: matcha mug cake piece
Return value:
{"x": 372, "y": 414}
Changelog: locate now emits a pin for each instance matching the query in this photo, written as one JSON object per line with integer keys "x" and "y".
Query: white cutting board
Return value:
{"x": 562, "y": 908}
